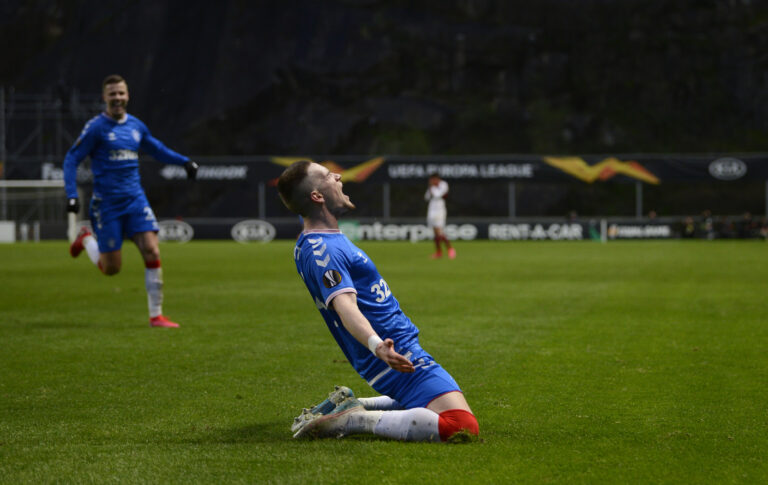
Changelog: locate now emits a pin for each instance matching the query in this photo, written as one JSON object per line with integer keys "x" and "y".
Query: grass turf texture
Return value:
{"x": 631, "y": 362}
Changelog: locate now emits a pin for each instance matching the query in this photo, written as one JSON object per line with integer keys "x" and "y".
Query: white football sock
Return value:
{"x": 379, "y": 403}
{"x": 153, "y": 280}
{"x": 361, "y": 422}
{"x": 417, "y": 424}
{"x": 92, "y": 248}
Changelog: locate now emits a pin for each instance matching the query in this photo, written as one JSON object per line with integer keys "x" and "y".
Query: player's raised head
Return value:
{"x": 294, "y": 187}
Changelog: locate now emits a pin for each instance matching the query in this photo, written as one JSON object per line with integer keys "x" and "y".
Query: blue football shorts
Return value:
{"x": 419, "y": 388}
{"x": 118, "y": 219}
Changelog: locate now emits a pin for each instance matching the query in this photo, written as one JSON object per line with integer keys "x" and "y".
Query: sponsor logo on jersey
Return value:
{"x": 120, "y": 155}
{"x": 727, "y": 168}
{"x": 178, "y": 231}
{"x": 331, "y": 278}
{"x": 253, "y": 230}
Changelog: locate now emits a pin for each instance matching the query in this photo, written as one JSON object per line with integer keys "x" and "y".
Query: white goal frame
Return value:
{"x": 35, "y": 184}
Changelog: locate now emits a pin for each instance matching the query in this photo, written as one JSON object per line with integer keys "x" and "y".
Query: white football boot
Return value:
{"x": 333, "y": 424}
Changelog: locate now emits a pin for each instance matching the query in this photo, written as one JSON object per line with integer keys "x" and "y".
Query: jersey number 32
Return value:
{"x": 381, "y": 289}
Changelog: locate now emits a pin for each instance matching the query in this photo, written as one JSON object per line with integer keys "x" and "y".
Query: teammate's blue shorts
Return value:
{"x": 115, "y": 219}
{"x": 419, "y": 388}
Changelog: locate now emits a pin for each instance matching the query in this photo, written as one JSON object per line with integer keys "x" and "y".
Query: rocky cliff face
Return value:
{"x": 431, "y": 77}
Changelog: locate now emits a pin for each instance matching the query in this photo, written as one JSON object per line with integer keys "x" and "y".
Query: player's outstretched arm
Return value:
{"x": 345, "y": 304}
{"x": 157, "y": 149}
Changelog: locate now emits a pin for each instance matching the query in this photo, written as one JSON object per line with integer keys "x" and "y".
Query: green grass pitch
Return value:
{"x": 630, "y": 362}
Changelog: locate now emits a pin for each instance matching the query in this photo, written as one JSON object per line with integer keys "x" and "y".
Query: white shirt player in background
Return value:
{"x": 437, "y": 190}
{"x": 419, "y": 400}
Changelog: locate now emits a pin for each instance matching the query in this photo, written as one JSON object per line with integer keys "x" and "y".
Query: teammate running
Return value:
{"x": 119, "y": 207}
{"x": 420, "y": 401}
{"x": 437, "y": 190}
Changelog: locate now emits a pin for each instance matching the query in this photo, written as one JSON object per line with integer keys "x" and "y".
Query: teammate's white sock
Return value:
{"x": 379, "y": 403}
{"x": 417, "y": 424}
{"x": 153, "y": 280}
{"x": 92, "y": 248}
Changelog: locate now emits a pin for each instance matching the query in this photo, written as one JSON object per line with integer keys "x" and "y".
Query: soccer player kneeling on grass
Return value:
{"x": 119, "y": 207}
{"x": 419, "y": 400}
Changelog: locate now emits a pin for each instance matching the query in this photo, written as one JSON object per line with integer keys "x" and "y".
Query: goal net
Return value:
{"x": 35, "y": 209}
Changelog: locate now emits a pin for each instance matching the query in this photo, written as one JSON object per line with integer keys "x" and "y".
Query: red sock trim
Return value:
{"x": 452, "y": 421}
{"x": 152, "y": 264}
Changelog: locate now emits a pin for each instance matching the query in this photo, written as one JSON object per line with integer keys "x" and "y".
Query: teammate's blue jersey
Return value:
{"x": 330, "y": 264}
{"x": 114, "y": 150}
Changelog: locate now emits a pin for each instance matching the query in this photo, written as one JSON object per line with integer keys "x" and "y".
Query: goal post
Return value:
{"x": 26, "y": 204}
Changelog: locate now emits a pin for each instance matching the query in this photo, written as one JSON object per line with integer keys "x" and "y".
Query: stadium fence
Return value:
{"x": 505, "y": 196}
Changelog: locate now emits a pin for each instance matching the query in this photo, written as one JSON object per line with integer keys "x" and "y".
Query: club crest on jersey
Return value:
{"x": 136, "y": 135}
{"x": 331, "y": 278}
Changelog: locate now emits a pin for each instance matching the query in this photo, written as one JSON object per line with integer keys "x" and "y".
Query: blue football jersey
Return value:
{"x": 330, "y": 264}
{"x": 114, "y": 150}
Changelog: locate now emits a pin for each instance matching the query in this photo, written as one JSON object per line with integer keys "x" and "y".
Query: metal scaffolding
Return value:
{"x": 38, "y": 128}
{"x": 41, "y": 127}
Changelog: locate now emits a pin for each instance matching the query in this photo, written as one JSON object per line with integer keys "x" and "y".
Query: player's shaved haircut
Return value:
{"x": 294, "y": 187}
{"x": 112, "y": 79}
